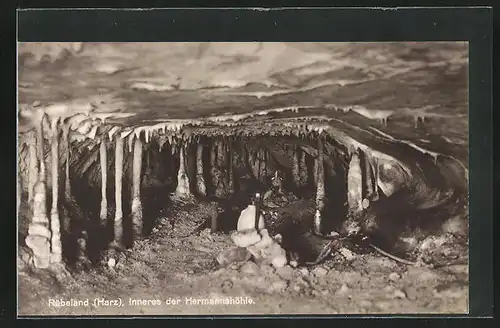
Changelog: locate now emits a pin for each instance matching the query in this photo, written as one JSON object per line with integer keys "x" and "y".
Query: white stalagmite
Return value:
{"x": 354, "y": 184}
{"x": 38, "y": 239}
{"x": 136, "y": 189}
{"x": 118, "y": 222}
{"x": 182, "y": 189}
{"x": 320, "y": 187}
{"x": 55, "y": 224}
{"x": 200, "y": 180}
{"x": 104, "y": 182}
{"x": 33, "y": 165}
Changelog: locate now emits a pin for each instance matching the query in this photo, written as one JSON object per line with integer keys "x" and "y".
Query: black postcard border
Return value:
{"x": 338, "y": 24}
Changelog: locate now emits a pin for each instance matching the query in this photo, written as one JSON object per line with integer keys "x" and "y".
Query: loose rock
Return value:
{"x": 233, "y": 255}
{"x": 278, "y": 286}
{"x": 399, "y": 294}
{"x": 342, "y": 290}
{"x": 347, "y": 254}
{"x": 285, "y": 272}
{"x": 319, "y": 272}
{"x": 249, "y": 268}
{"x": 394, "y": 276}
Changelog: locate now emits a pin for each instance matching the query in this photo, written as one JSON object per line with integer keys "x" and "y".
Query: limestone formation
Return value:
{"x": 55, "y": 225}
{"x": 33, "y": 165}
{"x": 320, "y": 187}
{"x": 103, "y": 214}
{"x": 200, "y": 179}
{"x": 136, "y": 189}
{"x": 354, "y": 184}
{"x": 182, "y": 190}
{"x": 38, "y": 239}
{"x": 118, "y": 221}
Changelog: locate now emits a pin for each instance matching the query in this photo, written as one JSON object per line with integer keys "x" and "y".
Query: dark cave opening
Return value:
{"x": 253, "y": 163}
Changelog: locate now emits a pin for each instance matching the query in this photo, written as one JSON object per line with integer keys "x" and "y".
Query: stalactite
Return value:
{"x": 118, "y": 221}
{"x": 136, "y": 189}
{"x": 320, "y": 187}
{"x": 33, "y": 165}
{"x": 200, "y": 179}
{"x": 55, "y": 224}
{"x": 182, "y": 189}
{"x": 103, "y": 214}
{"x": 38, "y": 239}
{"x": 354, "y": 184}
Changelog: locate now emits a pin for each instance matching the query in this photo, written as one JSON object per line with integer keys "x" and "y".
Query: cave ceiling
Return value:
{"x": 347, "y": 87}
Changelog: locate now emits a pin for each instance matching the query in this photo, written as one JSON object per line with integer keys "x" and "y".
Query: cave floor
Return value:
{"x": 167, "y": 265}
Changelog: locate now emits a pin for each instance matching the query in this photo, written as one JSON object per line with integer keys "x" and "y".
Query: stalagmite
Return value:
{"x": 182, "y": 189}
{"x": 38, "y": 239}
{"x": 33, "y": 165}
{"x": 136, "y": 189}
{"x": 103, "y": 214}
{"x": 200, "y": 179}
{"x": 354, "y": 184}
{"x": 55, "y": 225}
{"x": 320, "y": 187}
{"x": 118, "y": 222}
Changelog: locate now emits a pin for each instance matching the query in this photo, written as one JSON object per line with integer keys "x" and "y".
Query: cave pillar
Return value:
{"x": 182, "y": 189}
{"x": 38, "y": 239}
{"x": 320, "y": 187}
{"x": 200, "y": 179}
{"x": 118, "y": 221}
{"x": 103, "y": 214}
{"x": 67, "y": 183}
{"x": 137, "y": 222}
{"x": 354, "y": 184}
{"x": 33, "y": 173}
{"x": 55, "y": 224}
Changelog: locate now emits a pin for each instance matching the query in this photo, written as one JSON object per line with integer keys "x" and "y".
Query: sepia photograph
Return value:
{"x": 242, "y": 178}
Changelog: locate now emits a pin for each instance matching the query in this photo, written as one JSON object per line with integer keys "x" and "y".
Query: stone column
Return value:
{"x": 55, "y": 224}
{"x": 136, "y": 189}
{"x": 118, "y": 221}
{"x": 354, "y": 184}
{"x": 200, "y": 179}
{"x": 104, "y": 182}
{"x": 38, "y": 239}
